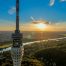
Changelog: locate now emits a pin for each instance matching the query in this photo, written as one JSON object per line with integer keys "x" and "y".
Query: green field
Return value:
{"x": 40, "y": 54}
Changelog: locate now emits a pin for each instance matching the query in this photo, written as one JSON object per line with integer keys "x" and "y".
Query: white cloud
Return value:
{"x": 32, "y": 18}
{"x": 52, "y": 2}
{"x": 12, "y": 10}
{"x": 62, "y": 0}
{"x": 58, "y": 23}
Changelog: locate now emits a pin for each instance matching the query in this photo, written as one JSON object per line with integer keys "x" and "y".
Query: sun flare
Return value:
{"x": 41, "y": 26}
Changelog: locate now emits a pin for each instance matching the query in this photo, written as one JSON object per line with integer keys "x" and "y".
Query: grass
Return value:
{"x": 5, "y": 45}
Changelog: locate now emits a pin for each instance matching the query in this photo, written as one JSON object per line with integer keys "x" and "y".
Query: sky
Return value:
{"x": 50, "y": 10}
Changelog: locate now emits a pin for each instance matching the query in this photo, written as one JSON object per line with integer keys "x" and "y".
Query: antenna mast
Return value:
{"x": 17, "y": 15}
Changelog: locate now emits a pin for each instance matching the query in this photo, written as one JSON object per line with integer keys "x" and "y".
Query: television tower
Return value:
{"x": 17, "y": 49}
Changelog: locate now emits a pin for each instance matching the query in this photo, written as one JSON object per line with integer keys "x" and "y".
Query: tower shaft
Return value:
{"x": 17, "y": 15}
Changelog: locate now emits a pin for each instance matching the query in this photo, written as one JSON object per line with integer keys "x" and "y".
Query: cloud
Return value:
{"x": 62, "y": 0}
{"x": 32, "y": 18}
{"x": 12, "y": 10}
{"x": 52, "y": 2}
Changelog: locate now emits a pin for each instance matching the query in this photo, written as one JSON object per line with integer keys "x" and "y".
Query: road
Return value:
{"x": 27, "y": 43}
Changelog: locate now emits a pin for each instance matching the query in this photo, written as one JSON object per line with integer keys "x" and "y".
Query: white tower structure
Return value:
{"x": 17, "y": 49}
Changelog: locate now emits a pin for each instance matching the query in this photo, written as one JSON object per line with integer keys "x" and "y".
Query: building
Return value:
{"x": 17, "y": 49}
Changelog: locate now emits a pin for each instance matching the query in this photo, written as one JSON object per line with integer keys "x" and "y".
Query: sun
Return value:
{"x": 41, "y": 26}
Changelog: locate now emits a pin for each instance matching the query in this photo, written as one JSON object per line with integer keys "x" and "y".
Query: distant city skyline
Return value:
{"x": 53, "y": 11}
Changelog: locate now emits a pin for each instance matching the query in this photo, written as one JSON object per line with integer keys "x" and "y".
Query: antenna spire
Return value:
{"x": 17, "y": 15}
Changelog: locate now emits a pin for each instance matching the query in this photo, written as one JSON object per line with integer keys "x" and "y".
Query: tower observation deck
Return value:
{"x": 17, "y": 49}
